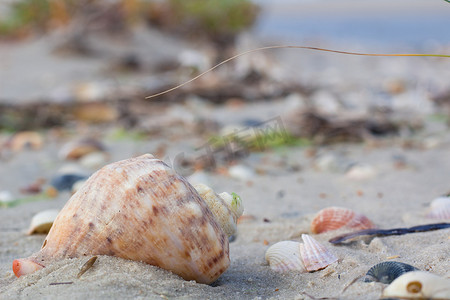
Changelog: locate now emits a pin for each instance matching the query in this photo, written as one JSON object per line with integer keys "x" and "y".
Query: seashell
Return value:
{"x": 225, "y": 207}
{"x": 315, "y": 256}
{"x": 138, "y": 209}
{"x": 43, "y": 221}
{"x": 76, "y": 149}
{"x": 332, "y": 218}
{"x": 440, "y": 208}
{"x": 419, "y": 285}
{"x": 387, "y": 271}
{"x": 285, "y": 256}
{"x": 304, "y": 257}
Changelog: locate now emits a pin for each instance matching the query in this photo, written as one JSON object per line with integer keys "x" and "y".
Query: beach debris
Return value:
{"x": 86, "y": 266}
{"x": 65, "y": 182}
{"x": 139, "y": 209}
{"x": 418, "y": 285}
{"x": 94, "y": 160}
{"x": 33, "y": 188}
{"x": 305, "y": 257}
{"x": 42, "y": 221}
{"x": 26, "y": 140}
{"x": 332, "y": 218}
{"x": 361, "y": 172}
{"x": 440, "y": 208}
{"x": 241, "y": 172}
{"x": 387, "y": 232}
{"x": 387, "y": 271}
{"x": 76, "y": 149}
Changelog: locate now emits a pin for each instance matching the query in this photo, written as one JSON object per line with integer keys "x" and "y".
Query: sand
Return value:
{"x": 283, "y": 203}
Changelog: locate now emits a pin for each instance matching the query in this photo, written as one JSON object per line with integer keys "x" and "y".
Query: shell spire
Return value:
{"x": 138, "y": 209}
{"x": 226, "y": 208}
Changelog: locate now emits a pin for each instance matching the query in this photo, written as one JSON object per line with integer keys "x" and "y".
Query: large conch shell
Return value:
{"x": 418, "y": 285}
{"x": 140, "y": 209}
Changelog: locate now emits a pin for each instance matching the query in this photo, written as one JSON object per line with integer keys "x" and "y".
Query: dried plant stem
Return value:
{"x": 291, "y": 47}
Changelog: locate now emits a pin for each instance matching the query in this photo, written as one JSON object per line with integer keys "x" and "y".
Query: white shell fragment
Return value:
{"x": 419, "y": 285}
{"x": 440, "y": 208}
{"x": 226, "y": 208}
{"x": 305, "y": 257}
{"x": 43, "y": 221}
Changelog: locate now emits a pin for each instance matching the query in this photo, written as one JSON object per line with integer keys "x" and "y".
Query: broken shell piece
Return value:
{"x": 43, "y": 221}
{"x": 304, "y": 257}
{"x": 332, "y": 218}
{"x": 314, "y": 255}
{"x": 419, "y": 285}
{"x": 387, "y": 271}
{"x": 440, "y": 208}
{"x": 225, "y": 207}
{"x": 138, "y": 209}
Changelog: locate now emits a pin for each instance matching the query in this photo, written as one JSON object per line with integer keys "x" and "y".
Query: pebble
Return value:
{"x": 65, "y": 182}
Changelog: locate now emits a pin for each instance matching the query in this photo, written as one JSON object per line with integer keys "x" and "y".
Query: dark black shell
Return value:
{"x": 387, "y": 271}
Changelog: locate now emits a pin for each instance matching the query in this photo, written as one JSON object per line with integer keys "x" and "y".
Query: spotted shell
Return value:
{"x": 388, "y": 271}
{"x": 440, "y": 208}
{"x": 304, "y": 257}
{"x": 419, "y": 285}
{"x": 332, "y": 218}
{"x": 137, "y": 209}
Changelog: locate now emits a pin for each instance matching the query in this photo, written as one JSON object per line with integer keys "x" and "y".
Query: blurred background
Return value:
{"x": 80, "y": 71}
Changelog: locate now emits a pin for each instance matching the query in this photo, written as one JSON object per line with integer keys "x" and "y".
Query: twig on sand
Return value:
{"x": 386, "y": 232}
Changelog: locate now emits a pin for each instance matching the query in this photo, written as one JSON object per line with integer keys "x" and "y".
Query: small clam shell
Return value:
{"x": 285, "y": 256}
{"x": 387, "y": 271}
{"x": 419, "y": 285}
{"x": 43, "y": 221}
{"x": 440, "y": 208}
{"x": 315, "y": 256}
{"x": 304, "y": 257}
{"x": 332, "y": 218}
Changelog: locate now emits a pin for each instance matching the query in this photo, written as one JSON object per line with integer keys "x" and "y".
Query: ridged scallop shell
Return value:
{"x": 315, "y": 256}
{"x": 304, "y": 257}
{"x": 419, "y": 285}
{"x": 137, "y": 209}
{"x": 440, "y": 208}
{"x": 387, "y": 271}
{"x": 332, "y": 218}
